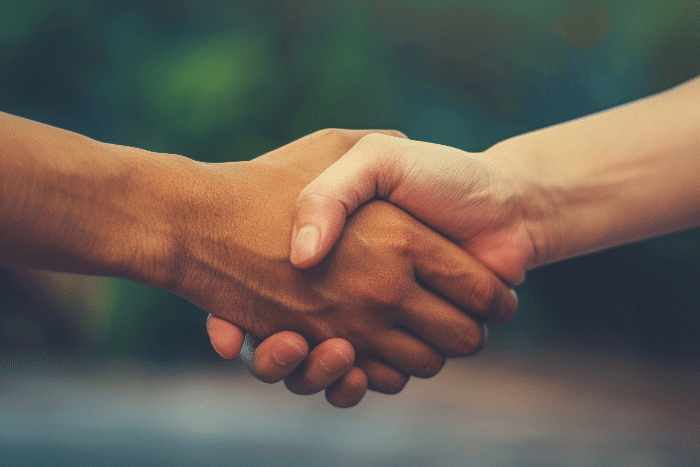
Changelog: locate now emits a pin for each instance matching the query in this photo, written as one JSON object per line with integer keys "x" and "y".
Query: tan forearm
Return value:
{"x": 69, "y": 203}
{"x": 622, "y": 175}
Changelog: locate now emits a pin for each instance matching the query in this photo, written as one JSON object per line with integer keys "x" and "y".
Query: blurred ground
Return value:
{"x": 543, "y": 407}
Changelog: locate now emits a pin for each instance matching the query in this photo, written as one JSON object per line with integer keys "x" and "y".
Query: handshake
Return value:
{"x": 381, "y": 254}
{"x": 392, "y": 297}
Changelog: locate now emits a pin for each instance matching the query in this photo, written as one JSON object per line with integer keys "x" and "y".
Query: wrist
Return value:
{"x": 70, "y": 203}
{"x": 148, "y": 243}
{"x": 540, "y": 199}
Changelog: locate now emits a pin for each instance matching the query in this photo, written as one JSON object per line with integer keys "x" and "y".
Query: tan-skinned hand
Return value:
{"x": 607, "y": 179}
{"x": 369, "y": 288}
{"x": 218, "y": 235}
{"x": 285, "y": 355}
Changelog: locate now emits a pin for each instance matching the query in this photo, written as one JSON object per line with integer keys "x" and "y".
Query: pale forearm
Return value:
{"x": 622, "y": 175}
{"x": 69, "y": 203}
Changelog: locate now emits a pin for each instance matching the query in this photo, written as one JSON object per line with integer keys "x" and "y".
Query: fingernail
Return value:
{"x": 515, "y": 295}
{"x": 286, "y": 352}
{"x": 333, "y": 360}
{"x": 306, "y": 244}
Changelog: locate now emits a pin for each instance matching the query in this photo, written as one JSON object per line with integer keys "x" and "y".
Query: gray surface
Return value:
{"x": 496, "y": 409}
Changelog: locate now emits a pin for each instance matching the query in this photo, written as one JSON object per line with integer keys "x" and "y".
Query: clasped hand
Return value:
{"x": 404, "y": 296}
{"x": 629, "y": 173}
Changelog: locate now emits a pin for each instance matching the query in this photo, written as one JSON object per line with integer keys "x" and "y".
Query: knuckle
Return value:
{"x": 348, "y": 138}
{"x": 371, "y": 138}
{"x": 385, "y": 289}
{"x": 479, "y": 294}
{"x": 309, "y": 198}
{"x": 400, "y": 244}
{"x": 388, "y": 294}
{"x": 341, "y": 137}
{"x": 395, "y": 133}
{"x": 432, "y": 362}
{"x": 374, "y": 141}
{"x": 469, "y": 341}
{"x": 396, "y": 234}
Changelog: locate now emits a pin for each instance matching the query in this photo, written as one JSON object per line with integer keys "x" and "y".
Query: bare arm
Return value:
{"x": 618, "y": 176}
{"x": 217, "y": 235}
{"x": 626, "y": 174}
{"x": 69, "y": 203}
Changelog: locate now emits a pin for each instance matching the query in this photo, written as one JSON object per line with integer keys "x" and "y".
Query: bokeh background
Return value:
{"x": 600, "y": 364}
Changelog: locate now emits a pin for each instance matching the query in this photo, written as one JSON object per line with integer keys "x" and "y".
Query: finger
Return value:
{"x": 454, "y": 274}
{"x": 442, "y": 325}
{"x": 369, "y": 168}
{"x": 274, "y": 358}
{"x": 226, "y": 338}
{"x": 382, "y": 377}
{"x": 328, "y": 362}
{"x": 247, "y": 354}
{"x": 348, "y": 390}
{"x": 408, "y": 354}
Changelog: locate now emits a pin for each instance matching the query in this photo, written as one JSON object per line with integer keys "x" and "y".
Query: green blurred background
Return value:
{"x": 230, "y": 80}
{"x": 222, "y": 81}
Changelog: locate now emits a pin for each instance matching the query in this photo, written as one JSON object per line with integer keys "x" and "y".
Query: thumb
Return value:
{"x": 322, "y": 207}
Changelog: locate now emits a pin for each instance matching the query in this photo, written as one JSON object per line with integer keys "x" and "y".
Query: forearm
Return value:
{"x": 622, "y": 175}
{"x": 69, "y": 203}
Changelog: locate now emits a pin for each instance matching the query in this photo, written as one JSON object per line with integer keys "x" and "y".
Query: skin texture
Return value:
{"x": 460, "y": 194}
{"x": 622, "y": 175}
{"x": 375, "y": 146}
{"x": 611, "y": 178}
{"x": 372, "y": 291}
{"x": 218, "y": 235}
{"x": 279, "y": 357}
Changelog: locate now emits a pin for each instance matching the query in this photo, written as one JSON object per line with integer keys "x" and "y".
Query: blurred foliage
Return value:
{"x": 230, "y": 80}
